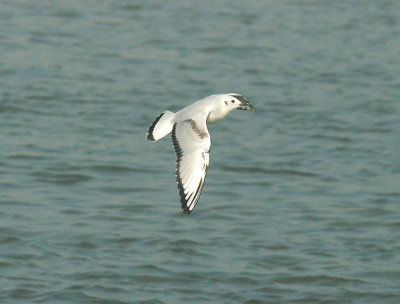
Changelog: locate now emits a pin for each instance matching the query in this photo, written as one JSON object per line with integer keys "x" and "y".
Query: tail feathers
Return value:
{"x": 161, "y": 127}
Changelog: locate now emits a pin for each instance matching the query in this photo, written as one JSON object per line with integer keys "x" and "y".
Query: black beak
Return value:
{"x": 244, "y": 103}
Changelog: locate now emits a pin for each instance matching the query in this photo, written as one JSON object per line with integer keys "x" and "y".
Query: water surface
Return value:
{"x": 301, "y": 202}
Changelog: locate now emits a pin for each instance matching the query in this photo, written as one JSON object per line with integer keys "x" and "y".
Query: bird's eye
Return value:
{"x": 232, "y": 101}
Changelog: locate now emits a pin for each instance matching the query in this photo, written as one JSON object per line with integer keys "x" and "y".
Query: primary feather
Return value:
{"x": 191, "y": 140}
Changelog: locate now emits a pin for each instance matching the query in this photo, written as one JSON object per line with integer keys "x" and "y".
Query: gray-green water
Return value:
{"x": 301, "y": 201}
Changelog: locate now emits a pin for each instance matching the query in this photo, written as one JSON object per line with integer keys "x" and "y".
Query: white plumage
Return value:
{"x": 192, "y": 141}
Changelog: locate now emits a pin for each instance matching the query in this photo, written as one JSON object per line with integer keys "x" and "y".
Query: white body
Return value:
{"x": 192, "y": 141}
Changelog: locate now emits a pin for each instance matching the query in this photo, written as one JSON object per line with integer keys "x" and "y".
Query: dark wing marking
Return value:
{"x": 192, "y": 146}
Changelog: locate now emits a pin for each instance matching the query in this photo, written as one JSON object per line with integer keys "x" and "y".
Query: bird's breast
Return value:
{"x": 215, "y": 116}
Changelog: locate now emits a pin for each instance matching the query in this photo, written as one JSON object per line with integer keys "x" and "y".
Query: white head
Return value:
{"x": 237, "y": 101}
{"x": 225, "y": 103}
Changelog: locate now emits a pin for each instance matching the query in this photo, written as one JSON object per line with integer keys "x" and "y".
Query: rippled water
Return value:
{"x": 301, "y": 202}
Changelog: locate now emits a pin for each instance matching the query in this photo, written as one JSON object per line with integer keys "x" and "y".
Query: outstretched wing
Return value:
{"x": 192, "y": 146}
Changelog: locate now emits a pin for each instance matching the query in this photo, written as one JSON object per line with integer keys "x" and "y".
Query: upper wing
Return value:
{"x": 192, "y": 146}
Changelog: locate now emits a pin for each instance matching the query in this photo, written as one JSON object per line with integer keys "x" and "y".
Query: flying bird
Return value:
{"x": 191, "y": 140}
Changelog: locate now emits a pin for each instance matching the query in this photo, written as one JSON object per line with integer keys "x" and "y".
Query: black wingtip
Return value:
{"x": 178, "y": 152}
{"x": 186, "y": 209}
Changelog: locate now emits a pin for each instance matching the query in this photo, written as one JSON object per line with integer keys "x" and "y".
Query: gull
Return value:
{"x": 191, "y": 140}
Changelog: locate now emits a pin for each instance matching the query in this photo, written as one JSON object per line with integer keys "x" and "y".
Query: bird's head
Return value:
{"x": 237, "y": 101}
{"x": 222, "y": 104}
